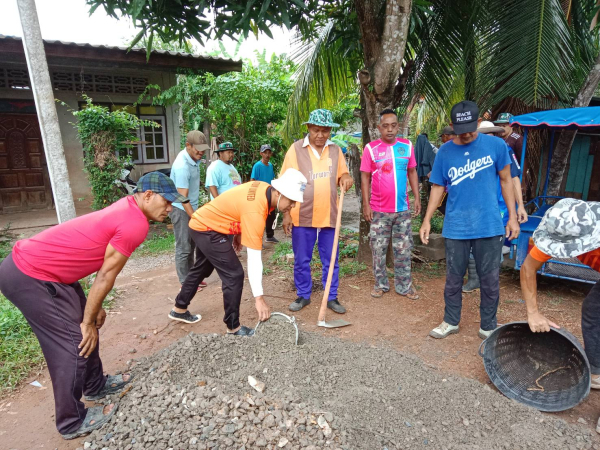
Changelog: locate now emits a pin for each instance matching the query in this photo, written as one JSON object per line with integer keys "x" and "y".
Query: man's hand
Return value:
{"x": 512, "y": 229}
{"x": 346, "y": 182}
{"x": 539, "y": 324}
{"x": 262, "y": 308}
{"x": 287, "y": 224}
{"x": 368, "y": 212}
{"x": 100, "y": 318}
{"x": 522, "y": 215}
{"x": 417, "y": 207}
{"x": 424, "y": 231}
{"x": 237, "y": 243}
{"x": 90, "y": 339}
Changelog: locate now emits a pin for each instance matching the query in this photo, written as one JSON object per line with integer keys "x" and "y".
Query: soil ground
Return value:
{"x": 137, "y": 326}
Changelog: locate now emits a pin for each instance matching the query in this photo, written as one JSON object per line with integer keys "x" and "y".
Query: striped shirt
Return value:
{"x": 388, "y": 166}
{"x": 323, "y": 173}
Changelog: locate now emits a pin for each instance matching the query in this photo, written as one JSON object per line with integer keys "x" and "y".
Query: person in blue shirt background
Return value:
{"x": 221, "y": 175}
{"x": 263, "y": 171}
{"x": 470, "y": 166}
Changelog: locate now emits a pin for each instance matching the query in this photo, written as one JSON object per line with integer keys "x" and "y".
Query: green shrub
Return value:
{"x": 20, "y": 351}
{"x": 106, "y": 137}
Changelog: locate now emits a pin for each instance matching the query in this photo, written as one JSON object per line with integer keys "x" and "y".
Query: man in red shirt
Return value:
{"x": 570, "y": 229}
{"x": 40, "y": 277}
{"x": 513, "y": 140}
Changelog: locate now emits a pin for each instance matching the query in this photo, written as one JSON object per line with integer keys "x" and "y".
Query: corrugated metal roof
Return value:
{"x": 135, "y": 50}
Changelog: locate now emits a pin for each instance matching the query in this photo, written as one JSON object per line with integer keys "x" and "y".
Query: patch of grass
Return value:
{"x": 434, "y": 269}
{"x": 348, "y": 268}
{"x": 5, "y": 249}
{"x": 158, "y": 243}
{"x": 20, "y": 351}
{"x": 281, "y": 249}
{"x": 437, "y": 222}
{"x": 348, "y": 249}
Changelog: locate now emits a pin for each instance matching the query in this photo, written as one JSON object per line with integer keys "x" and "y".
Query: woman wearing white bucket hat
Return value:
{"x": 241, "y": 211}
{"x": 570, "y": 229}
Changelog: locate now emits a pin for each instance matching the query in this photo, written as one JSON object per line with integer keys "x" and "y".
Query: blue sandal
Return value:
{"x": 94, "y": 419}
{"x": 114, "y": 383}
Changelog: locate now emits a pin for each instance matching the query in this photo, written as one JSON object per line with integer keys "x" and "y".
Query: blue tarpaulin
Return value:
{"x": 568, "y": 118}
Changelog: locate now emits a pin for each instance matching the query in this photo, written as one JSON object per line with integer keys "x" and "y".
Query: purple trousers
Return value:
{"x": 55, "y": 311}
{"x": 303, "y": 243}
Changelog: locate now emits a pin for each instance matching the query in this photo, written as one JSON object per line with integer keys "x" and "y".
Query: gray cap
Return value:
{"x": 265, "y": 147}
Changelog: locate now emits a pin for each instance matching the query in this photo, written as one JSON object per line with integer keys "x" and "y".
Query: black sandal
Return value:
{"x": 243, "y": 331}
{"x": 96, "y": 415}
{"x": 114, "y": 383}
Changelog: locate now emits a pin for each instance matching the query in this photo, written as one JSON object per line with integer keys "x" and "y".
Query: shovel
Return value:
{"x": 339, "y": 322}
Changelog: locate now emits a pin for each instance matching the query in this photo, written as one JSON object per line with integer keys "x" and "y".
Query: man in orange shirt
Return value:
{"x": 322, "y": 163}
{"x": 241, "y": 211}
{"x": 570, "y": 229}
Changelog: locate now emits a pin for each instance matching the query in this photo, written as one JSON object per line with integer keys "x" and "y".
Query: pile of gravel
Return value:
{"x": 325, "y": 393}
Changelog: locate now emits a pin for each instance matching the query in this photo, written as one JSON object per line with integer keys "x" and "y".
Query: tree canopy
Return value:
{"x": 183, "y": 20}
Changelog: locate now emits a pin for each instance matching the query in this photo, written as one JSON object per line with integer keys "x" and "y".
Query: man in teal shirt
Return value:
{"x": 221, "y": 175}
{"x": 263, "y": 171}
{"x": 185, "y": 173}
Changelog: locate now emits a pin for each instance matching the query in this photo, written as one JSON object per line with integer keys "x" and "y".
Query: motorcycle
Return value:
{"x": 127, "y": 185}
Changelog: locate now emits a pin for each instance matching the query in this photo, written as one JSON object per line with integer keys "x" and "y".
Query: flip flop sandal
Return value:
{"x": 376, "y": 293}
{"x": 94, "y": 419}
{"x": 114, "y": 383}
{"x": 411, "y": 294}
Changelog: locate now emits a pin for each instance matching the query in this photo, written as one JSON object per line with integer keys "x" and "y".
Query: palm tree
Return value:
{"x": 510, "y": 54}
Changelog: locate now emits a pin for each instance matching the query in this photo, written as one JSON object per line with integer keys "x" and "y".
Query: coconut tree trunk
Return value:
{"x": 384, "y": 28}
{"x": 565, "y": 142}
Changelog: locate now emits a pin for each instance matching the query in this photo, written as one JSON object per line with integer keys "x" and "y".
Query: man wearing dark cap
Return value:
{"x": 40, "y": 277}
{"x": 469, "y": 166}
{"x": 263, "y": 171}
{"x": 447, "y": 134}
{"x": 185, "y": 173}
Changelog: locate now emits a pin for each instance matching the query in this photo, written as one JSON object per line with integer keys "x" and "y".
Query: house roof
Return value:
{"x": 60, "y": 53}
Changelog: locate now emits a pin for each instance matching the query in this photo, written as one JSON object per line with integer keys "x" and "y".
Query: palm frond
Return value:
{"x": 532, "y": 49}
{"x": 322, "y": 78}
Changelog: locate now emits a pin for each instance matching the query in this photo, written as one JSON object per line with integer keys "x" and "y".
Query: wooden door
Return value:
{"x": 24, "y": 180}
{"x": 581, "y": 163}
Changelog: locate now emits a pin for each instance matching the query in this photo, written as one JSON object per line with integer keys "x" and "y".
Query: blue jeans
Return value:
{"x": 303, "y": 242}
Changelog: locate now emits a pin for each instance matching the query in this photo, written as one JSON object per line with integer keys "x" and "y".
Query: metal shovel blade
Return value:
{"x": 333, "y": 324}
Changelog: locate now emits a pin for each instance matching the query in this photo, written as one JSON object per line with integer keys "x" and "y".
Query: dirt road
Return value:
{"x": 26, "y": 417}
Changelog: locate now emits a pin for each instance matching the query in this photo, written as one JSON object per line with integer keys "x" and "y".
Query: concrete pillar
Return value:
{"x": 46, "y": 110}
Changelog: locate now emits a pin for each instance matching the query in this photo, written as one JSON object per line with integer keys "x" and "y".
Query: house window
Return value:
{"x": 153, "y": 148}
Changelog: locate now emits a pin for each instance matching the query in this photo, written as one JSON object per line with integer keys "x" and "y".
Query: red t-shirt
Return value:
{"x": 75, "y": 249}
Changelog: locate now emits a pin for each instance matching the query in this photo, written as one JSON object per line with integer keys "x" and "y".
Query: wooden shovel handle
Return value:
{"x": 338, "y": 225}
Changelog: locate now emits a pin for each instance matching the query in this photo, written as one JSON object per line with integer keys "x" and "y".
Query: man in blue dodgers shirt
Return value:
{"x": 470, "y": 165}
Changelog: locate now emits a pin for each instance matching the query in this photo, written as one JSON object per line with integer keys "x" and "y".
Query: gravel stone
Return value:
{"x": 195, "y": 394}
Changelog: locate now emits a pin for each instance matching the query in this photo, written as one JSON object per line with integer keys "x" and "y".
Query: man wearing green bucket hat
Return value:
{"x": 221, "y": 175}
{"x": 323, "y": 164}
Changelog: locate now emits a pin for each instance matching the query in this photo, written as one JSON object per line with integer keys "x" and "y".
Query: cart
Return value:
{"x": 558, "y": 119}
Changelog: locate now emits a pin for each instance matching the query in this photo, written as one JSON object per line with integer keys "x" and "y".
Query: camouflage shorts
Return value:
{"x": 396, "y": 226}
